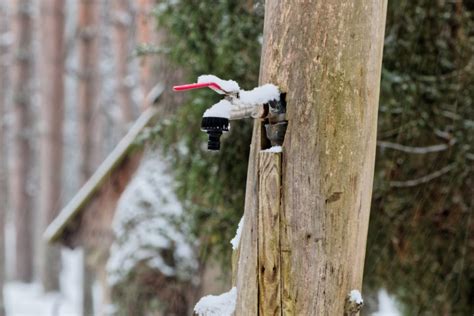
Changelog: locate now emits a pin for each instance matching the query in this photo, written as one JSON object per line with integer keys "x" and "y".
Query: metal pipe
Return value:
{"x": 241, "y": 111}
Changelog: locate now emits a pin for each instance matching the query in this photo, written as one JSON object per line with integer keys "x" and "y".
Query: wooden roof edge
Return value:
{"x": 55, "y": 229}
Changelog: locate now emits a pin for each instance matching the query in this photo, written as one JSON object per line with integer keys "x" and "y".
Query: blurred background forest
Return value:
{"x": 74, "y": 79}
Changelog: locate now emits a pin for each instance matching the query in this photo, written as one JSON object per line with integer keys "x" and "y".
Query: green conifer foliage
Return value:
{"x": 220, "y": 38}
{"x": 421, "y": 242}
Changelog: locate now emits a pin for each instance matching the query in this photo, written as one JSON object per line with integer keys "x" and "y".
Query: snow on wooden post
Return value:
{"x": 269, "y": 183}
{"x": 353, "y": 304}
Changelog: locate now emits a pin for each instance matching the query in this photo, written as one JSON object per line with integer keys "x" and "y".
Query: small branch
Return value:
{"x": 457, "y": 117}
{"x": 453, "y": 74}
{"x": 145, "y": 49}
{"x": 416, "y": 150}
{"x": 442, "y": 134}
{"x": 424, "y": 179}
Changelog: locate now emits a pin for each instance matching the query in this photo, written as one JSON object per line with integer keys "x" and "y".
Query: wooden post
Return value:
{"x": 269, "y": 301}
{"x": 326, "y": 56}
{"x": 246, "y": 265}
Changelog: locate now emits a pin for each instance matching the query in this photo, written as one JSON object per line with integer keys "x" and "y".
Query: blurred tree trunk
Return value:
{"x": 52, "y": 115}
{"x": 22, "y": 130}
{"x": 326, "y": 56}
{"x": 88, "y": 71}
{"x": 4, "y": 62}
{"x": 122, "y": 19}
{"x": 88, "y": 108}
{"x": 144, "y": 33}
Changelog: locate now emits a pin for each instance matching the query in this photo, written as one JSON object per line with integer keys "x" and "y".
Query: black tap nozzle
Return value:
{"x": 214, "y": 127}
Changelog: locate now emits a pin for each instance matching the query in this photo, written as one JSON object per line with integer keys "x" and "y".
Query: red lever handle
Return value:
{"x": 190, "y": 86}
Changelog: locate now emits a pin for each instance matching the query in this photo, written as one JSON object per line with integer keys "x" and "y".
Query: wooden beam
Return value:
{"x": 269, "y": 263}
{"x": 246, "y": 279}
{"x": 54, "y": 230}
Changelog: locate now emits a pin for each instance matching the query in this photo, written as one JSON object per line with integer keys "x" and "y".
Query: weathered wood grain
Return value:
{"x": 246, "y": 270}
{"x": 326, "y": 56}
{"x": 269, "y": 265}
{"x": 287, "y": 303}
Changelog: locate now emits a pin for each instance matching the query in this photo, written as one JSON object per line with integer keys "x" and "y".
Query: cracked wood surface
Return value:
{"x": 269, "y": 278}
{"x": 326, "y": 55}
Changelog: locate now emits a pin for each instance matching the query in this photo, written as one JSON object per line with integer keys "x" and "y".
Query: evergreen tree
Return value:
{"x": 220, "y": 38}
{"x": 420, "y": 244}
{"x": 420, "y": 237}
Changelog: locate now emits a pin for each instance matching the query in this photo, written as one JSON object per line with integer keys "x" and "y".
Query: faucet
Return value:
{"x": 264, "y": 102}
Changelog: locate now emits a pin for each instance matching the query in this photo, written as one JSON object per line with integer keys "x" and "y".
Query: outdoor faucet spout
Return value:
{"x": 237, "y": 104}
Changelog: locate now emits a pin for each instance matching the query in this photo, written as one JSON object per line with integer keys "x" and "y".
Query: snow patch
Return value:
{"x": 7, "y": 39}
{"x": 227, "y": 85}
{"x": 273, "y": 149}
{"x": 236, "y": 240}
{"x": 387, "y": 305}
{"x": 221, "y": 305}
{"x": 356, "y": 297}
{"x": 220, "y": 109}
{"x": 260, "y": 95}
{"x": 22, "y": 299}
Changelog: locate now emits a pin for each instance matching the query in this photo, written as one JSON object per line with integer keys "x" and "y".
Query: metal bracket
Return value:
{"x": 276, "y": 123}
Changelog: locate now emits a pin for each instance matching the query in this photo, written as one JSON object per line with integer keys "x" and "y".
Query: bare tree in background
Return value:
{"x": 52, "y": 113}
{"x": 88, "y": 71}
{"x": 144, "y": 34}
{"x": 4, "y": 62}
{"x": 87, "y": 108}
{"x": 21, "y": 199}
{"x": 122, "y": 20}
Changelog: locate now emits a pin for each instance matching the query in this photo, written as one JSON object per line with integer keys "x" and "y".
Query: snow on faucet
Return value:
{"x": 237, "y": 104}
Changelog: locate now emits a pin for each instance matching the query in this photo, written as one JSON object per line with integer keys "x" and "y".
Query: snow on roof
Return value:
{"x": 84, "y": 195}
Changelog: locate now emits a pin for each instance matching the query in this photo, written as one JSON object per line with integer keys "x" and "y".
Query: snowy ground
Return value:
{"x": 29, "y": 299}
{"x": 386, "y": 305}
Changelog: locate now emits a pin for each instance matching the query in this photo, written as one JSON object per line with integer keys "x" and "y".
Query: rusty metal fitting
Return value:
{"x": 276, "y": 132}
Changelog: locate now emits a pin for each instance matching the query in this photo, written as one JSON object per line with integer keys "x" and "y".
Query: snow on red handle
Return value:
{"x": 190, "y": 86}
